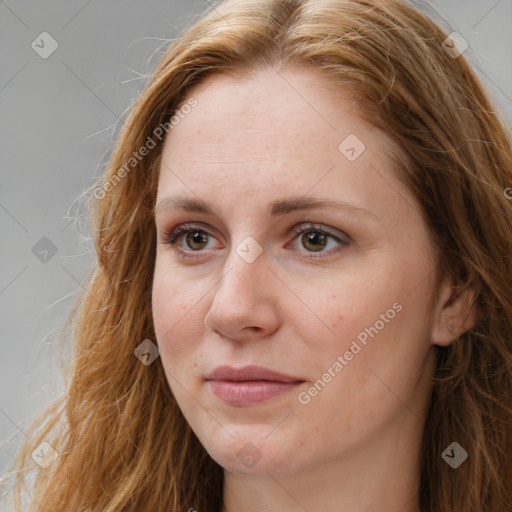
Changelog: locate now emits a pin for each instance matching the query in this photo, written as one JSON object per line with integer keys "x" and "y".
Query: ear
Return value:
{"x": 456, "y": 312}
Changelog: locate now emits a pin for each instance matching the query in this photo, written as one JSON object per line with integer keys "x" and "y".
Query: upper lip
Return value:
{"x": 250, "y": 372}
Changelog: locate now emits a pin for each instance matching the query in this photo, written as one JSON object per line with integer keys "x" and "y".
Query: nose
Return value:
{"x": 245, "y": 302}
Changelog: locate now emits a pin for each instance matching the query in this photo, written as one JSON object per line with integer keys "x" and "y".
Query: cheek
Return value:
{"x": 338, "y": 313}
{"x": 377, "y": 327}
{"x": 362, "y": 385}
{"x": 175, "y": 315}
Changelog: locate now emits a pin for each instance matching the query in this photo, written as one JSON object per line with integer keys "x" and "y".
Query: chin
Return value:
{"x": 252, "y": 453}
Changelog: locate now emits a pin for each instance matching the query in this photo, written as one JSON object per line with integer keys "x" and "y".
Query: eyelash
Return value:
{"x": 173, "y": 237}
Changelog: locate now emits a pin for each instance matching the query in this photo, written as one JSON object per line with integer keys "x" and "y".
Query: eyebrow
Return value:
{"x": 275, "y": 208}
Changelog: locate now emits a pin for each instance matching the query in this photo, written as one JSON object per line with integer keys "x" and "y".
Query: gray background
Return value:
{"x": 58, "y": 118}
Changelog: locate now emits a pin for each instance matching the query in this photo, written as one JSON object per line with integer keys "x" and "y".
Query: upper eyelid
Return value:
{"x": 299, "y": 228}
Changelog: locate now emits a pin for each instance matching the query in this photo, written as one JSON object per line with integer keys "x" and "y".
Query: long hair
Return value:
{"x": 122, "y": 441}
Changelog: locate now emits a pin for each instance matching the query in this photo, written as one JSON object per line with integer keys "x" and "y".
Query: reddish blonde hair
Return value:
{"x": 122, "y": 439}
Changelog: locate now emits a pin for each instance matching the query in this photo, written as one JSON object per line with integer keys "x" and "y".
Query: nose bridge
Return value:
{"x": 241, "y": 298}
{"x": 244, "y": 267}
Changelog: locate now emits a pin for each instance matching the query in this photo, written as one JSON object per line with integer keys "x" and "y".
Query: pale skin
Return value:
{"x": 355, "y": 446}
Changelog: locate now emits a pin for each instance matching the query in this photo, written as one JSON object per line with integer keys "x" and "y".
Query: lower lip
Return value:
{"x": 249, "y": 392}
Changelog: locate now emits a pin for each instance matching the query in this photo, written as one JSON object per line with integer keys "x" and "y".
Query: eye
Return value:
{"x": 316, "y": 239}
{"x": 194, "y": 237}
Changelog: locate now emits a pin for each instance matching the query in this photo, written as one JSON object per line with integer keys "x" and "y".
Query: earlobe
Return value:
{"x": 457, "y": 313}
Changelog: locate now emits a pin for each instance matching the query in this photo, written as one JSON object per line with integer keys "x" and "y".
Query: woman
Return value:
{"x": 303, "y": 298}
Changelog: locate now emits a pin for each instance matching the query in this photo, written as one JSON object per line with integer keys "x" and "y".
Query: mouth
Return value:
{"x": 249, "y": 384}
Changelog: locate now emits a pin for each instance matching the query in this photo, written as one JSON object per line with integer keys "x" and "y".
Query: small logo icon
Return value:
{"x": 454, "y": 455}
{"x": 44, "y": 250}
{"x": 146, "y": 352}
{"x": 44, "y": 45}
{"x": 45, "y": 455}
{"x": 352, "y": 147}
{"x": 454, "y": 45}
{"x": 249, "y": 249}
{"x": 249, "y": 454}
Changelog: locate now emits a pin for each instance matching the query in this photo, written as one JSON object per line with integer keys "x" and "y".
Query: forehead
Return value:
{"x": 282, "y": 107}
{"x": 272, "y": 132}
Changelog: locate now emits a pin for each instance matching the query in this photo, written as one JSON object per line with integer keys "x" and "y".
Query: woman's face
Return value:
{"x": 336, "y": 297}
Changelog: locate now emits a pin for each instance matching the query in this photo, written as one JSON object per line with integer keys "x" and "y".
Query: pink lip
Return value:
{"x": 249, "y": 384}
